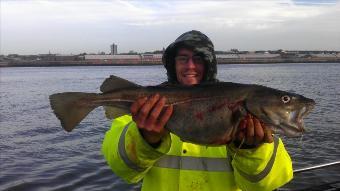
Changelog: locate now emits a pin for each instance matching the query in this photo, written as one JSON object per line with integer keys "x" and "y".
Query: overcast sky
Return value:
{"x": 73, "y": 27}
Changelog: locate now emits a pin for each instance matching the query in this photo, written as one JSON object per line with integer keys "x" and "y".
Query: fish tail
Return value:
{"x": 72, "y": 107}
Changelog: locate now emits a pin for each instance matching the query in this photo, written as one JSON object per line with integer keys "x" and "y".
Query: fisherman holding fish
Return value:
{"x": 192, "y": 132}
{"x": 138, "y": 147}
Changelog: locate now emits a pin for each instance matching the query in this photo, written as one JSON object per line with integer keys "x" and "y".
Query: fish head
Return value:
{"x": 282, "y": 111}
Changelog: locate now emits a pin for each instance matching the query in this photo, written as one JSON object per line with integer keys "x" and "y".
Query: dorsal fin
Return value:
{"x": 114, "y": 83}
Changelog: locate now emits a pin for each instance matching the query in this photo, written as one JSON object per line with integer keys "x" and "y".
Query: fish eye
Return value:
{"x": 285, "y": 99}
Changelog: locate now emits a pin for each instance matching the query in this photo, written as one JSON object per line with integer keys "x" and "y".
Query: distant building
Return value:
{"x": 113, "y": 59}
{"x": 57, "y": 57}
{"x": 151, "y": 58}
{"x": 114, "y": 49}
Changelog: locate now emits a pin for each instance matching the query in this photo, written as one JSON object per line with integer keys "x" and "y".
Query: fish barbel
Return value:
{"x": 202, "y": 114}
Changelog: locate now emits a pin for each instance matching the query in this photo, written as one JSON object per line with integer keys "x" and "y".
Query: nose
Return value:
{"x": 190, "y": 63}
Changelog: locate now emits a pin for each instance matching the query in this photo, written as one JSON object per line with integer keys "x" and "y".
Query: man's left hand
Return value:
{"x": 253, "y": 132}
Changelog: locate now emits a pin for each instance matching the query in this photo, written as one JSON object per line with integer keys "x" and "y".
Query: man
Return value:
{"x": 138, "y": 147}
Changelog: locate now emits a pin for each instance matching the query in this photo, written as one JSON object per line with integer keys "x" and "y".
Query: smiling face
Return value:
{"x": 189, "y": 67}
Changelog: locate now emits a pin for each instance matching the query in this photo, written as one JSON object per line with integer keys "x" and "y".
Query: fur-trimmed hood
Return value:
{"x": 200, "y": 44}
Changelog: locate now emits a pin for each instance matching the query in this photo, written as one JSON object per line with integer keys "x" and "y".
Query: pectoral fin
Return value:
{"x": 118, "y": 110}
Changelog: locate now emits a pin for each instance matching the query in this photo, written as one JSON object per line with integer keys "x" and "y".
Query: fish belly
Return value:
{"x": 205, "y": 122}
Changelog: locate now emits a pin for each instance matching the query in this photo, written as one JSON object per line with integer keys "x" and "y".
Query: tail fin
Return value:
{"x": 72, "y": 107}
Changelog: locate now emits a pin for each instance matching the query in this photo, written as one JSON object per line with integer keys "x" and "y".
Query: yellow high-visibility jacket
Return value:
{"x": 176, "y": 165}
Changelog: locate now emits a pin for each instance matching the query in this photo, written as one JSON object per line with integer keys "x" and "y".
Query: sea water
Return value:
{"x": 37, "y": 154}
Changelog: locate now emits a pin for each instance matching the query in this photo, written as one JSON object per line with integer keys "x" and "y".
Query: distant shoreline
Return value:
{"x": 88, "y": 63}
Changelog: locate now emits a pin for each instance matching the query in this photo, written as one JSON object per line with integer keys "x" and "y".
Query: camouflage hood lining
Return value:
{"x": 200, "y": 44}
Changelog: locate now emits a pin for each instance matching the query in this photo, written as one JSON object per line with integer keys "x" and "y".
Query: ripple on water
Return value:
{"x": 37, "y": 154}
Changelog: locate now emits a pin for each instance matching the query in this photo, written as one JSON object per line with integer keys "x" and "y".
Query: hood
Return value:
{"x": 200, "y": 44}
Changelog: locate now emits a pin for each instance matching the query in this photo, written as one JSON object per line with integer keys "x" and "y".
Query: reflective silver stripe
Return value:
{"x": 123, "y": 154}
{"x": 194, "y": 163}
{"x": 230, "y": 159}
{"x": 266, "y": 170}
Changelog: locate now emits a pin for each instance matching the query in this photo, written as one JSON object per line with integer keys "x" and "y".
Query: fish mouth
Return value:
{"x": 295, "y": 126}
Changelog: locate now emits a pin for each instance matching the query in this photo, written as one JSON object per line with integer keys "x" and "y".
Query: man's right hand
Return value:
{"x": 150, "y": 114}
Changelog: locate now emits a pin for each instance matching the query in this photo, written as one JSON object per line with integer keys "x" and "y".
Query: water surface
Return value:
{"x": 36, "y": 154}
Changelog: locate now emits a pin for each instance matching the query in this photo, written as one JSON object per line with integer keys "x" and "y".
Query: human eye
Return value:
{"x": 197, "y": 59}
{"x": 182, "y": 59}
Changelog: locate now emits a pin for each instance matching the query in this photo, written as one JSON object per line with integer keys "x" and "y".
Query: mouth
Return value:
{"x": 295, "y": 126}
{"x": 190, "y": 75}
{"x": 302, "y": 113}
{"x": 287, "y": 130}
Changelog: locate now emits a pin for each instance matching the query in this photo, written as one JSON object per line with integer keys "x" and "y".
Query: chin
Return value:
{"x": 190, "y": 82}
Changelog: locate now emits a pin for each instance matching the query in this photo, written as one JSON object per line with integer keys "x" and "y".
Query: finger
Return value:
{"x": 144, "y": 111}
{"x": 137, "y": 105}
{"x": 259, "y": 134}
{"x": 240, "y": 136}
{"x": 154, "y": 114}
{"x": 268, "y": 137}
{"x": 250, "y": 131}
{"x": 164, "y": 118}
{"x": 242, "y": 124}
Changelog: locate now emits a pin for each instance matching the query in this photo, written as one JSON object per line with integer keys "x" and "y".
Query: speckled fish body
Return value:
{"x": 206, "y": 114}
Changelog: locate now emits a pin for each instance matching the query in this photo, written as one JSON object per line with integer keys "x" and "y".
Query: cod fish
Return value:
{"x": 205, "y": 114}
